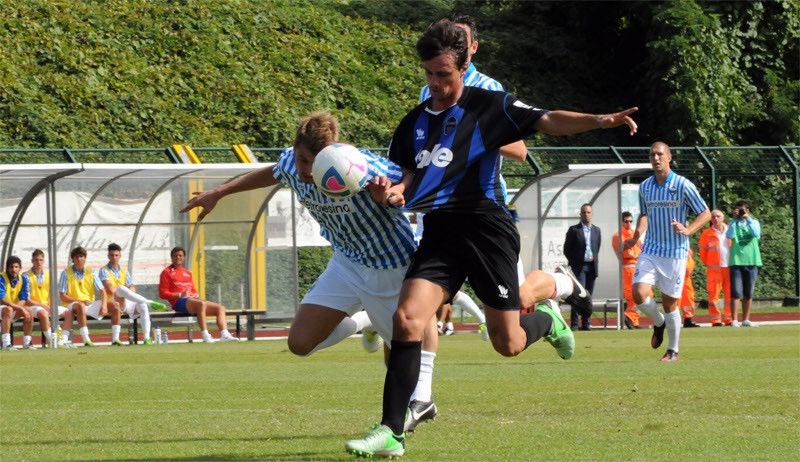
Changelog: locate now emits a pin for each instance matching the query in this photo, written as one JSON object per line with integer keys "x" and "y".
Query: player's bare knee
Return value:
{"x": 299, "y": 346}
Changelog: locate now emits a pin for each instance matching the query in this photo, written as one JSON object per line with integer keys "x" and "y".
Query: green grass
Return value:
{"x": 734, "y": 396}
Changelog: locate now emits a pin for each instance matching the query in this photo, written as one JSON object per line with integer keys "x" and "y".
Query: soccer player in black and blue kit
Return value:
{"x": 448, "y": 148}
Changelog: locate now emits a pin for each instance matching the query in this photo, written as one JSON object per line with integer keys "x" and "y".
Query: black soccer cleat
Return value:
{"x": 658, "y": 335}
{"x": 418, "y": 412}
{"x": 581, "y": 299}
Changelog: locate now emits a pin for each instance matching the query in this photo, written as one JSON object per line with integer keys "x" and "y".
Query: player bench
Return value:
{"x": 249, "y": 315}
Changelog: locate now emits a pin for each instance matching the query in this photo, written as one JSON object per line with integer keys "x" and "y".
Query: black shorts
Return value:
{"x": 483, "y": 248}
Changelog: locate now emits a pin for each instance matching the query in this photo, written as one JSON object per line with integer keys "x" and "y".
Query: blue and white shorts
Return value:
{"x": 665, "y": 273}
{"x": 350, "y": 287}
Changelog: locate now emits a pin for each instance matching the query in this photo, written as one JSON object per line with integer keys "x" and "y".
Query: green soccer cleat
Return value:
{"x": 561, "y": 337}
{"x": 484, "y": 331}
{"x": 88, "y": 343}
{"x": 371, "y": 341}
{"x": 116, "y": 343}
{"x": 378, "y": 442}
{"x": 148, "y": 341}
{"x": 158, "y": 306}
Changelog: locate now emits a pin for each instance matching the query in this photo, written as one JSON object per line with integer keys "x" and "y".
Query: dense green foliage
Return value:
{"x": 256, "y": 401}
{"x": 214, "y": 73}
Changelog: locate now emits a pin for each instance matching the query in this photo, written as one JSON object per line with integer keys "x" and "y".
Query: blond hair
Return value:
{"x": 317, "y": 131}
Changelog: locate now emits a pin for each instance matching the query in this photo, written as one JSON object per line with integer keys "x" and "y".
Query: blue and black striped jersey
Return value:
{"x": 454, "y": 153}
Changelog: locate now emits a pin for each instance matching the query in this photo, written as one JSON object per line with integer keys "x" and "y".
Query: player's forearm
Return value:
{"x": 515, "y": 151}
{"x": 256, "y": 179}
{"x": 562, "y": 123}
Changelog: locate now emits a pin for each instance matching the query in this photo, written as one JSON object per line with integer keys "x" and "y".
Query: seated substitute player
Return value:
{"x": 39, "y": 300}
{"x": 449, "y": 150}
{"x": 79, "y": 287}
{"x": 13, "y": 295}
{"x": 176, "y": 285}
{"x": 665, "y": 200}
{"x": 113, "y": 275}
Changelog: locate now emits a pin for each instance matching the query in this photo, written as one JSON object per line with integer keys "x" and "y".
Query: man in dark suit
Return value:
{"x": 581, "y": 247}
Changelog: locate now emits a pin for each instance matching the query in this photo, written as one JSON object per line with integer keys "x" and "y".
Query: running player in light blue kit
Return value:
{"x": 665, "y": 200}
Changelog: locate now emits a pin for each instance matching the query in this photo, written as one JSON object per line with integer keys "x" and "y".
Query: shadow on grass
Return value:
{"x": 265, "y": 439}
{"x": 280, "y": 457}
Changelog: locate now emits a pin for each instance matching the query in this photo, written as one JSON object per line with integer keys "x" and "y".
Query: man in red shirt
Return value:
{"x": 177, "y": 287}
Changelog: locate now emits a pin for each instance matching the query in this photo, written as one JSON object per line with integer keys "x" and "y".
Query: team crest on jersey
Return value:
{"x": 450, "y": 125}
{"x": 420, "y": 134}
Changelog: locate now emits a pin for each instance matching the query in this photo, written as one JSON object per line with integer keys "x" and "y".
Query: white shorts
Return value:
{"x": 665, "y": 273}
{"x": 349, "y": 287}
{"x": 36, "y": 309}
{"x": 92, "y": 310}
{"x": 520, "y": 272}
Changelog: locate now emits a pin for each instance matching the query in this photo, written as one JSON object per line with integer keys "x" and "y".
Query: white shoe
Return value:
{"x": 209, "y": 339}
{"x": 9, "y": 348}
{"x": 70, "y": 345}
{"x": 749, "y": 324}
{"x": 30, "y": 346}
{"x": 735, "y": 324}
{"x": 227, "y": 338}
{"x": 371, "y": 341}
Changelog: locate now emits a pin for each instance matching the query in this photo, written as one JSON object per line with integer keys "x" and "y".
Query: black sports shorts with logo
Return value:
{"x": 481, "y": 247}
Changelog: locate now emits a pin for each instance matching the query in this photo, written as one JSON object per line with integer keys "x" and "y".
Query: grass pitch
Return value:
{"x": 735, "y": 395}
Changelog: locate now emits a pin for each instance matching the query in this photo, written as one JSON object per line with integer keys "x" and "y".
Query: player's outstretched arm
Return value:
{"x": 560, "y": 123}
{"x": 261, "y": 178}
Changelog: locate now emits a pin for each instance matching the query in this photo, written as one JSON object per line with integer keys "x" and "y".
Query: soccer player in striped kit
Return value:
{"x": 372, "y": 244}
{"x": 449, "y": 150}
{"x": 664, "y": 200}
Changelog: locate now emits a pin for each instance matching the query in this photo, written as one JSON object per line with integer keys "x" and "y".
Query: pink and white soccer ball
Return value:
{"x": 339, "y": 170}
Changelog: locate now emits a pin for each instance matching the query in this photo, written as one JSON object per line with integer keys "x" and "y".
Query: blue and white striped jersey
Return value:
{"x": 365, "y": 232}
{"x": 105, "y": 269}
{"x": 472, "y": 78}
{"x": 662, "y": 204}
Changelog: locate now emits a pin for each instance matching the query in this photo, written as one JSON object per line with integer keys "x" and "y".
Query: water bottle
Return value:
{"x": 53, "y": 339}
{"x": 130, "y": 333}
{"x": 59, "y": 338}
{"x": 157, "y": 336}
{"x": 164, "y": 338}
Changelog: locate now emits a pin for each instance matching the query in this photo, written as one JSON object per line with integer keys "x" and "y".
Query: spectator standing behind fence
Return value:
{"x": 13, "y": 295}
{"x": 79, "y": 287}
{"x": 628, "y": 258}
{"x": 39, "y": 300}
{"x": 745, "y": 260}
{"x": 176, "y": 285}
{"x": 714, "y": 251}
{"x": 687, "y": 296}
{"x": 581, "y": 247}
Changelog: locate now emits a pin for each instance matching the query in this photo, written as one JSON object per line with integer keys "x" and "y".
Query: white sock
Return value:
{"x": 26, "y": 339}
{"x": 362, "y": 320}
{"x": 466, "y": 303}
{"x": 85, "y": 334}
{"x": 673, "y": 321}
{"x": 345, "y": 329}
{"x": 449, "y": 326}
{"x": 144, "y": 314}
{"x": 65, "y": 336}
{"x": 225, "y": 333}
{"x": 47, "y": 335}
{"x": 423, "y": 390}
{"x": 206, "y": 334}
{"x": 115, "y": 332}
{"x": 563, "y": 285}
{"x": 649, "y": 308}
{"x": 6, "y": 339}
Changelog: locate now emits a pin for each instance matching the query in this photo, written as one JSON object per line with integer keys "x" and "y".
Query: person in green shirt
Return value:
{"x": 745, "y": 260}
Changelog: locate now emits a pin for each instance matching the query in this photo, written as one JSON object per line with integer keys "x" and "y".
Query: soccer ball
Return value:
{"x": 339, "y": 170}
